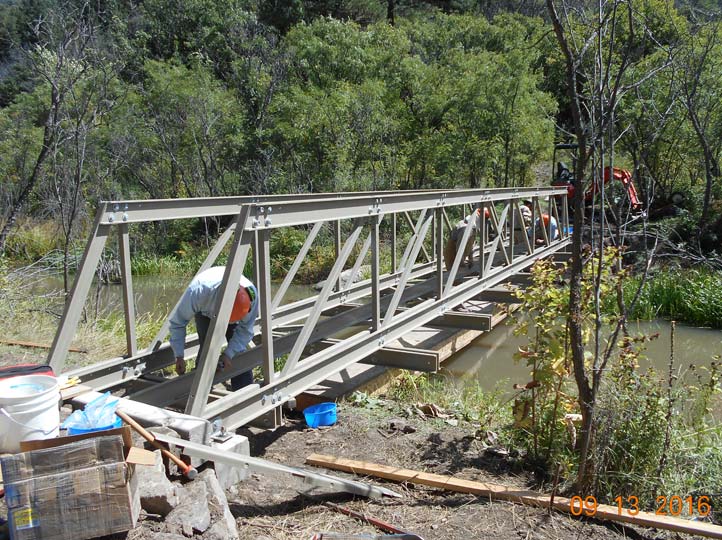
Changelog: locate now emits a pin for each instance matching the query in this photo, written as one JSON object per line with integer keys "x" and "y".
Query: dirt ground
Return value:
{"x": 268, "y": 508}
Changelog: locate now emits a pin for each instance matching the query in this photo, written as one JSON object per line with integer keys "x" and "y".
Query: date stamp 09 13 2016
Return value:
{"x": 665, "y": 506}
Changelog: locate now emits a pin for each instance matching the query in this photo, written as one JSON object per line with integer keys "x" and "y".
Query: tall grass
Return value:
{"x": 693, "y": 296}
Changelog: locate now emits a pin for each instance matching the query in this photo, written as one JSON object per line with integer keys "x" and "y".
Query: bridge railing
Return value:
{"x": 413, "y": 288}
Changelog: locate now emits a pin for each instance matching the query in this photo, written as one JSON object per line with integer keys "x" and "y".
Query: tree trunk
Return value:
{"x": 48, "y": 137}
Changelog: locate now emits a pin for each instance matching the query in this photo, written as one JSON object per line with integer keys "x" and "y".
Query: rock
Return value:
{"x": 397, "y": 424}
{"x": 345, "y": 277}
{"x": 223, "y": 519}
{"x": 217, "y": 531}
{"x": 158, "y": 495}
{"x": 168, "y": 536}
{"x": 192, "y": 515}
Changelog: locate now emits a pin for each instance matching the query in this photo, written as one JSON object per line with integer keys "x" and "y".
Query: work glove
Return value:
{"x": 180, "y": 365}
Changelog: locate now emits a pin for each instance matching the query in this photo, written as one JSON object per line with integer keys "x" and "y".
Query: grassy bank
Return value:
{"x": 687, "y": 295}
{"x": 635, "y": 457}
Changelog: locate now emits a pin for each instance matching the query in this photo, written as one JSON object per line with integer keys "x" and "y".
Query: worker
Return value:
{"x": 198, "y": 302}
{"x": 457, "y": 233}
{"x": 521, "y": 228}
{"x": 545, "y": 219}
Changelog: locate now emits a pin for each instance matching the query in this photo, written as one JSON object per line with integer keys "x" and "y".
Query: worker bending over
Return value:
{"x": 545, "y": 219}
{"x": 198, "y": 302}
{"x": 457, "y": 235}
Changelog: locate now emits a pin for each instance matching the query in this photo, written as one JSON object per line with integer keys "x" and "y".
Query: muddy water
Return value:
{"x": 155, "y": 295}
{"x": 489, "y": 358}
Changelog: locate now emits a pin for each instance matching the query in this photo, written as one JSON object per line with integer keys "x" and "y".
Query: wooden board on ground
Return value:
{"x": 33, "y": 345}
{"x": 500, "y": 492}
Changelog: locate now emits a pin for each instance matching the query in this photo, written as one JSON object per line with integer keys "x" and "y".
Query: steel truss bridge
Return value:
{"x": 415, "y": 290}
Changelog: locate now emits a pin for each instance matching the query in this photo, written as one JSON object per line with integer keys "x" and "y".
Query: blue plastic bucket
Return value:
{"x": 569, "y": 230}
{"x": 323, "y": 414}
{"x": 79, "y": 431}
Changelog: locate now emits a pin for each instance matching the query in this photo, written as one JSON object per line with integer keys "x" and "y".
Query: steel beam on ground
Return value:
{"x": 126, "y": 278}
{"x": 79, "y": 293}
{"x": 311, "y": 481}
{"x": 465, "y": 321}
{"x": 237, "y": 410}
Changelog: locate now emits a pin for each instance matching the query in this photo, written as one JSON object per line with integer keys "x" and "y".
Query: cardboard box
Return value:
{"x": 74, "y": 487}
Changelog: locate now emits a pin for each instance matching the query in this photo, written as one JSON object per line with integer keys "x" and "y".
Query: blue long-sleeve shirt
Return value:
{"x": 200, "y": 297}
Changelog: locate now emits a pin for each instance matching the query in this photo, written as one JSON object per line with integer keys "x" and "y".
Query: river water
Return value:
{"x": 489, "y": 359}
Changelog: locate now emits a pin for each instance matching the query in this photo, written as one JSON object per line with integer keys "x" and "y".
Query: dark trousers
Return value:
{"x": 202, "y": 324}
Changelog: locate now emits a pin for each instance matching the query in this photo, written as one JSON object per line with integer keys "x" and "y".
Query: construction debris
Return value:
{"x": 520, "y": 496}
{"x": 158, "y": 495}
{"x": 381, "y": 525}
{"x": 79, "y": 490}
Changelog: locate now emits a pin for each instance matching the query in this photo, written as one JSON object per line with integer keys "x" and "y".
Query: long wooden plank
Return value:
{"x": 500, "y": 492}
{"x": 33, "y": 345}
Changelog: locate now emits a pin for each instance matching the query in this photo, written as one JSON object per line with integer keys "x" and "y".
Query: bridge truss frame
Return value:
{"x": 415, "y": 292}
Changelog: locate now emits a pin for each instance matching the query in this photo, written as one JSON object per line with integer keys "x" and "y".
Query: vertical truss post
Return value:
{"x": 207, "y": 263}
{"x": 262, "y": 248}
{"x": 551, "y": 216}
{"x": 545, "y": 237}
{"x": 375, "y": 274}
{"x": 278, "y": 298}
{"x": 446, "y": 219}
{"x": 207, "y": 359}
{"x": 126, "y": 278}
{"x": 393, "y": 243}
{"x": 525, "y": 236}
{"x": 512, "y": 227}
{"x": 533, "y": 225}
{"x": 439, "y": 223}
{"x": 337, "y": 247}
{"x": 78, "y": 294}
{"x": 482, "y": 239}
{"x": 321, "y": 299}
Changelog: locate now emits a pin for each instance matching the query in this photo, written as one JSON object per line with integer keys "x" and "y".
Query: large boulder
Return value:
{"x": 192, "y": 515}
{"x": 224, "y": 524}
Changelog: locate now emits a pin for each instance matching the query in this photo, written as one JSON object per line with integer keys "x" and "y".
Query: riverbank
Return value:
{"x": 381, "y": 430}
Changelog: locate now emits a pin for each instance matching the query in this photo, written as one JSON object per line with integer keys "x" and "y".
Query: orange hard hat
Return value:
{"x": 241, "y": 305}
{"x": 486, "y": 212}
{"x": 545, "y": 219}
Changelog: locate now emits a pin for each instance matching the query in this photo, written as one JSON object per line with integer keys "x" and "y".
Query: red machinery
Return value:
{"x": 621, "y": 177}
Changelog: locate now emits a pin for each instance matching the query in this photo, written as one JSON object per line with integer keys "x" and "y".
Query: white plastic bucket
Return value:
{"x": 29, "y": 410}
{"x": 25, "y": 390}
